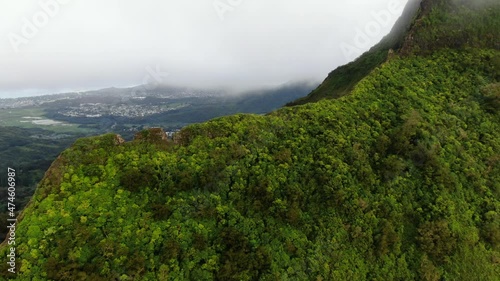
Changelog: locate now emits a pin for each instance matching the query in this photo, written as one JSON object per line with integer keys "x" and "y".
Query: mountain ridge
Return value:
{"x": 401, "y": 40}
{"x": 398, "y": 180}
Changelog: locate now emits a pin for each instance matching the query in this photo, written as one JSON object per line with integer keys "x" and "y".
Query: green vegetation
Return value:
{"x": 398, "y": 181}
{"x": 24, "y": 117}
{"x": 454, "y": 24}
{"x": 30, "y": 152}
{"x": 342, "y": 80}
{"x": 30, "y": 148}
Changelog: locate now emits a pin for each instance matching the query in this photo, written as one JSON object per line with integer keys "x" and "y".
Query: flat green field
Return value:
{"x": 34, "y": 118}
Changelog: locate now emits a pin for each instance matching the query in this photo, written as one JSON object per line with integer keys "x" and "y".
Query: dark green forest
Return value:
{"x": 397, "y": 180}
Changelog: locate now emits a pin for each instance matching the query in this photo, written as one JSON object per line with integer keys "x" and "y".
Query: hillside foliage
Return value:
{"x": 399, "y": 180}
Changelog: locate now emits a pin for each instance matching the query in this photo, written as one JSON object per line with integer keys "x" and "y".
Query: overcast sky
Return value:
{"x": 50, "y": 46}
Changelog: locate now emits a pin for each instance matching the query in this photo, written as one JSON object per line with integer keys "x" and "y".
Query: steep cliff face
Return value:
{"x": 399, "y": 180}
{"x": 454, "y": 24}
{"x": 424, "y": 27}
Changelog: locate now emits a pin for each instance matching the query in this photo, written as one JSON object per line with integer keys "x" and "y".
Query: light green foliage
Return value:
{"x": 398, "y": 181}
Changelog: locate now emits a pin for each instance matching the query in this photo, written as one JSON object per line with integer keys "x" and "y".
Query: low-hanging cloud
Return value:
{"x": 243, "y": 44}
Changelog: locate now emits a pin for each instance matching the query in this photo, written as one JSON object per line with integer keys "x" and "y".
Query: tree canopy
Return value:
{"x": 399, "y": 180}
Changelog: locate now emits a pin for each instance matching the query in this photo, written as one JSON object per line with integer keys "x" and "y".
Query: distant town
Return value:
{"x": 96, "y": 110}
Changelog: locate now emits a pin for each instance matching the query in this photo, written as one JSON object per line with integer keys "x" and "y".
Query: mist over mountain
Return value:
{"x": 389, "y": 170}
{"x": 438, "y": 25}
{"x": 65, "y": 46}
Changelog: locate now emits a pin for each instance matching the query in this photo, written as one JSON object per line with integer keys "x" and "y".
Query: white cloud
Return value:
{"x": 92, "y": 43}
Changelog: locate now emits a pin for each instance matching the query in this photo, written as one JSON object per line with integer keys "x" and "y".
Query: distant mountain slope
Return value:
{"x": 425, "y": 26}
{"x": 399, "y": 180}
